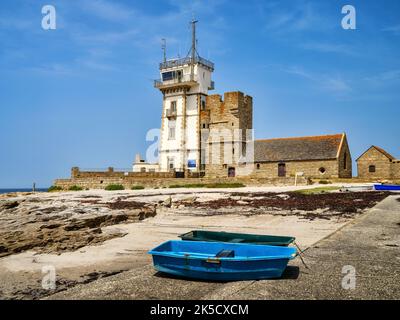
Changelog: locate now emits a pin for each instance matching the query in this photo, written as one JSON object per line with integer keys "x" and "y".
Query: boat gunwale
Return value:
{"x": 290, "y": 239}
{"x": 290, "y": 256}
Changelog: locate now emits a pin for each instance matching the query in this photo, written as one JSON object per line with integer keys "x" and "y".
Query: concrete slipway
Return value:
{"x": 370, "y": 244}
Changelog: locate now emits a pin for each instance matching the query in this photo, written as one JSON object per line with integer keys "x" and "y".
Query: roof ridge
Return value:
{"x": 304, "y": 137}
{"x": 387, "y": 154}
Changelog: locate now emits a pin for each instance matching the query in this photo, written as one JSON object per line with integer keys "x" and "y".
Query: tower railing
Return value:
{"x": 186, "y": 61}
{"x": 177, "y": 80}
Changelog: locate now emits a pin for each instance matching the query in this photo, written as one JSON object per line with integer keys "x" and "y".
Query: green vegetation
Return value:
{"x": 75, "y": 188}
{"x": 54, "y": 189}
{"x": 137, "y": 187}
{"x": 210, "y": 185}
{"x": 317, "y": 190}
{"x": 114, "y": 187}
{"x": 226, "y": 185}
{"x": 190, "y": 185}
{"x": 325, "y": 182}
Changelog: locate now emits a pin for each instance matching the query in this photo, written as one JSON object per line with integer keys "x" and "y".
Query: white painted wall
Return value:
{"x": 168, "y": 147}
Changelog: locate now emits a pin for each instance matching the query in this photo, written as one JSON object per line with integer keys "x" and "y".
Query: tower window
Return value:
{"x": 345, "y": 161}
{"x": 322, "y": 170}
{"x": 168, "y": 75}
{"x": 171, "y": 130}
{"x": 173, "y": 106}
{"x": 171, "y": 164}
{"x": 258, "y": 166}
{"x": 203, "y": 104}
{"x": 372, "y": 169}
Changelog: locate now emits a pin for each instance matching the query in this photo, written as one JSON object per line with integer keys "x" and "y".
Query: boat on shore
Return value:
{"x": 221, "y": 261}
{"x": 387, "y": 187}
{"x": 357, "y": 188}
{"x": 220, "y": 236}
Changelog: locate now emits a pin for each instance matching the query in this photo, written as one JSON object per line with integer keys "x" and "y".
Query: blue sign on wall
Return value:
{"x": 191, "y": 163}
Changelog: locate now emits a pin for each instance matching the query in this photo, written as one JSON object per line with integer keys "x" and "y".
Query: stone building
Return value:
{"x": 376, "y": 163}
{"x": 140, "y": 165}
{"x": 321, "y": 157}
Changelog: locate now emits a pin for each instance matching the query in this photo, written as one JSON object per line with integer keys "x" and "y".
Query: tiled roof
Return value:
{"x": 298, "y": 148}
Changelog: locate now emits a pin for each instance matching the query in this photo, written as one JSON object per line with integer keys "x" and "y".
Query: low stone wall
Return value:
{"x": 76, "y": 173}
{"x": 129, "y": 181}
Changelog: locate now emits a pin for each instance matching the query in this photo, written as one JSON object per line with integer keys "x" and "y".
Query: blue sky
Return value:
{"x": 82, "y": 95}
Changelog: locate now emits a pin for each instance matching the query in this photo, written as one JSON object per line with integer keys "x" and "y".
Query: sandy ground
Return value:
{"x": 21, "y": 274}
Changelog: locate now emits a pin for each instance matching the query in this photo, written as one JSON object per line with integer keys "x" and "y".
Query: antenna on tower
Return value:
{"x": 164, "y": 48}
{"x": 193, "y": 49}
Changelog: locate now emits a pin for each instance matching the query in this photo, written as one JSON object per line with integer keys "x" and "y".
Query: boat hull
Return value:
{"x": 387, "y": 187}
{"x": 197, "y": 260}
{"x": 214, "y": 236}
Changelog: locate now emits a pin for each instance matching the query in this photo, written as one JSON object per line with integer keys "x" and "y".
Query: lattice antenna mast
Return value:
{"x": 193, "y": 49}
{"x": 164, "y": 48}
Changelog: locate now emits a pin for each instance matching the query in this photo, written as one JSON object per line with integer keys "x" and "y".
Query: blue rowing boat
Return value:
{"x": 387, "y": 187}
{"x": 221, "y": 261}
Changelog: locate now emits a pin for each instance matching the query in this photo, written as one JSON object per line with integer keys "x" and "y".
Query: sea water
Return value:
{"x": 22, "y": 190}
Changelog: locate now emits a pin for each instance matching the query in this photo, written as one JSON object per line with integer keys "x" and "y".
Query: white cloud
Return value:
{"x": 328, "y": 48}
{"x": 301, "y": 16}
{"x": 107, "y": 10}
{"x": 336, "y": 85}
{"x": 384, "y": 77}
{"x": 298, "y": 71}
{"x": 15, "y": 23}
{"x": 109, "y": 38}
{"x": 393, "y": 29}
{"x": 99, "y": 30}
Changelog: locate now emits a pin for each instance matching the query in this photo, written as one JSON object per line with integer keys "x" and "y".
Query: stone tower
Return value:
{"x": 184, "y": 84}
{"x": 227, "y": 134}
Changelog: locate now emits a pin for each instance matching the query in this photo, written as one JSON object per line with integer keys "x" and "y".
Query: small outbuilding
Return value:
{"x": 376, "y": 163}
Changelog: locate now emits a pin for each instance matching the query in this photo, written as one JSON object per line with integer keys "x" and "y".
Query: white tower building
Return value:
{"x": 184, "y": 84}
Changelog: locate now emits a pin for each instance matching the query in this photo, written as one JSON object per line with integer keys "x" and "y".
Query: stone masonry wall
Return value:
{"x": 309, "y": 168}
{"x": 345, "y": 171}
{"x": 269, "y": 170}
{"x": 110, "y": 173}
{"x": 128, "y": 182}
{"x": 382, "y": 165}
{"x": 395, "y": 174}
{"x": 221, "y": 118}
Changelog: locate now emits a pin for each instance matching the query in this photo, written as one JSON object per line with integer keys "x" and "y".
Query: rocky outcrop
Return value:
{"x": 58, "y": 224}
